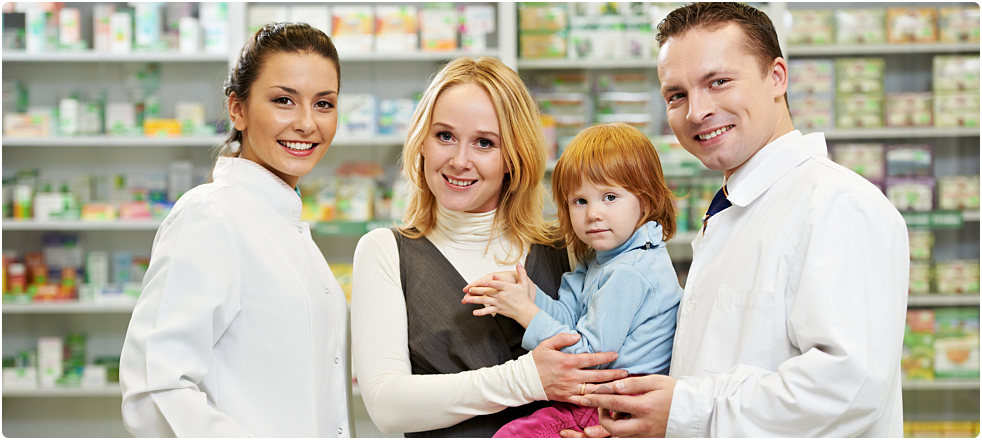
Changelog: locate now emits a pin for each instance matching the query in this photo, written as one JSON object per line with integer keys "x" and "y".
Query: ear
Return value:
{"x": 779, "y": 76}
{"x": 237, "y": 112}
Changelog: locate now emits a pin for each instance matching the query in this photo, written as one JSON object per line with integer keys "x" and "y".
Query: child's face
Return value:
{"x": 604, "y": 217}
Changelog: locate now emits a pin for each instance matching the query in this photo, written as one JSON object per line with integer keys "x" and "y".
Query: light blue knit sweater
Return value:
{"x": 625, "y": 300}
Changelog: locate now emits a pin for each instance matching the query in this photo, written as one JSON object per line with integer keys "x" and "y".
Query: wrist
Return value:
{"x": 526, "y": 318}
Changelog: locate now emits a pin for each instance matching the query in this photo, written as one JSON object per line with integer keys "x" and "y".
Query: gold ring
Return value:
{"x": 583, "y": 389}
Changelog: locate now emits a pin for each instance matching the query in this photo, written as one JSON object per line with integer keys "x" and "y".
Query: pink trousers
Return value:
{"x": 547, "y": 422}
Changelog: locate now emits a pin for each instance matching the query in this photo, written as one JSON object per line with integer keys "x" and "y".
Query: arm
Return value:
{"x": 609, "y": 314}
{"x": 393, "y": 395}
{"x": 189, "y": 298}
{"x": 848, "y": 328}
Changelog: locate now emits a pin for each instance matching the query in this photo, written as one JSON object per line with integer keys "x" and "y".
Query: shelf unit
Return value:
{"x": 111, "y": 390}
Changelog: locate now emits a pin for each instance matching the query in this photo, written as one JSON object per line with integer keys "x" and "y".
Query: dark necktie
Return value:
{"x": 718, "y": 204}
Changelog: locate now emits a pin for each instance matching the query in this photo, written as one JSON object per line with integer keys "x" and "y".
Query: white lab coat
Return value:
{"x": 241, "y": 329}
{"x": 792, "y": 319}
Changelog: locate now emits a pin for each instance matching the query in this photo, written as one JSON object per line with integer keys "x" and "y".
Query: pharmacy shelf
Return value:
{"x": 971, "y": 216}
{"x": 896, "y": 133}
{"x": 76, "y": 225}
{"x": 114, "y": 141}
{"x": 939, "y": 300}
{"x": 67, "y": 307}
{"x": 184, "y": 141}
{"x": 414, "y": 56}
{"x": 103, "y": 57}
{"x": 881, "y": 49}
{"x": 550, "y": 64}
{"x": 943, "y": 385}
{"x": 112, "y": 390}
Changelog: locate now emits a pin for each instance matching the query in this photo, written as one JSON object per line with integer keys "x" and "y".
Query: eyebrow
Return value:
{"x": 479, "y": 132}
{"x": 709, "y": 75}
{"x": 295, "y": 92}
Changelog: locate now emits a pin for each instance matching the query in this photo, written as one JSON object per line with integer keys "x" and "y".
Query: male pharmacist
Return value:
{"x": 792, "y": 320}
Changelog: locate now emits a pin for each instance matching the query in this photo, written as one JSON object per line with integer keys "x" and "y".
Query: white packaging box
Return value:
{"x": 121, "y": 32}
{"x": 94, "y": 376}
{"x": 69, "y": 114}
{"x": 20, "y": 377}
{"x": 353, "y": 29}
{"x": 261, "y": 15}
{"x": 213, "y": 17}
{"x": 35, "y": 34}
{"x": 120, "y": 117}
{"x": 438, "y": 29}
{"x": 189, "y": 35}
{"x": 190, "y": 113}
{"x": 318, "y": 17}
{"x": 50, "y": 356}
{"x": 97, "y": 268}
{"x": 357, "y": 116}
{"x": 101, "y": 29}
{"x": 46, "y": 204}
{"x": 396, "y": 28}
{"x": 69, "y": 31}
{"x": 477, "y": 22}
{"x": 147, "y": 33}
{"x": 180, "y": 176}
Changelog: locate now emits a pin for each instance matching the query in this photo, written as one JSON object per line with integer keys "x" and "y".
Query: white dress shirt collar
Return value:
{"x": 774, "y": 161}
{"x": 259, "y": 182}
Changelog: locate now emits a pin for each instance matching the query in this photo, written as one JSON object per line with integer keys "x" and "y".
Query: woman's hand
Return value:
{"x": 564, "y": 375}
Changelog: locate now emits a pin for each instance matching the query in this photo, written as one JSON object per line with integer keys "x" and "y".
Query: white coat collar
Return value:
{"x": 260, "y": 183}
{"x": 771, "y": 163}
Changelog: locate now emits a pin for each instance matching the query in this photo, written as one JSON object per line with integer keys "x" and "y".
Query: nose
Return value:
{"x": 593, "y": 212}
{"x": 304, "y": 122}
{"x": 461, "y": 157}
{"x": 701, "y": 106}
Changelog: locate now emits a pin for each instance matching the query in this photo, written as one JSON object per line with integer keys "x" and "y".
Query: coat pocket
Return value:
{"x": 739, "y": 330}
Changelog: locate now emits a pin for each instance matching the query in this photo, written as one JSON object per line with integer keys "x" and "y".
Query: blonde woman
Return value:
{"x": 475, "y": 159}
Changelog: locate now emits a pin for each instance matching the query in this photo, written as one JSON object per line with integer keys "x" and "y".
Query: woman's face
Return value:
{"x": 290, "y": 117}
{"x": 462, "y": 159}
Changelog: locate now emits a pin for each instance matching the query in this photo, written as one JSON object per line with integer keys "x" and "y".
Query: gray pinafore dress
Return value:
{"x": 446, "y": 338}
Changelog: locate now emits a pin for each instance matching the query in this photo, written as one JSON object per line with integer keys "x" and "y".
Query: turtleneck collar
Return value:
{"x": 259, "y": 183}
{"x": 647, "y": 233}
{"x": 465, "y": 230}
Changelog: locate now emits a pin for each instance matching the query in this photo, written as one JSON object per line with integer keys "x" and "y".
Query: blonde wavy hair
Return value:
{"x": 613, "y": 155}
{"x": 522, "y": 149}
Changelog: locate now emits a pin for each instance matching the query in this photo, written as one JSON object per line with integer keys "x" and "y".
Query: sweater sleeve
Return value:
{"x": 190, "y": 297}
{"x": 393, "y": 395}
{"x": 607, "y": 319}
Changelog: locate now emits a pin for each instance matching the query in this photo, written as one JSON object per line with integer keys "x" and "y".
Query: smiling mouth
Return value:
{"x": 298, "y": 146}
{"x": 712, "y": 134}
{"x": 456, "y": 182}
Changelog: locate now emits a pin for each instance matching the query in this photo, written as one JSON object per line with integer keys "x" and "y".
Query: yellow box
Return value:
{"x": 162, "y": 127}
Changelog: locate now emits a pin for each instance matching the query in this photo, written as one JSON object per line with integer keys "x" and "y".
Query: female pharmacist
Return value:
{"x": 241, "y": 329}
{"x": 475, "y": 159}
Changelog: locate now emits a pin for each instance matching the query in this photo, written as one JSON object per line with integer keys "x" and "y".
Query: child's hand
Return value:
{"x": 476, "y": 287}
{"x": 514, "y": 299}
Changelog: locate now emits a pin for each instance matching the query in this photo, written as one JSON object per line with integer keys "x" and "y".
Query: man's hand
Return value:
{"x": 498, "y": 295}
{"x": 564, "y": 375}
{"x": 627, "y": 415}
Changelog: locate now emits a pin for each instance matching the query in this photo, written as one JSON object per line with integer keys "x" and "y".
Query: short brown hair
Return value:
{"x": 613, "y": 154}
{"x": 760, "y": 36}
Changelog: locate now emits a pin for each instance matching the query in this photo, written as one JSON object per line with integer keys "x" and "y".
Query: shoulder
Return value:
{"x": 825, "y": 182}
{"x": 377, "y": 244}
{"x": 207, "y": 204}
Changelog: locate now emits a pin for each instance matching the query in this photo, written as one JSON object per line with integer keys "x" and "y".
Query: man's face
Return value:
{"x": 721, "y": 106}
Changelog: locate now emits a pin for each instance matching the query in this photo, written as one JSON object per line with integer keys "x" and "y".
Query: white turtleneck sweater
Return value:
{"x": 397, "y": 400}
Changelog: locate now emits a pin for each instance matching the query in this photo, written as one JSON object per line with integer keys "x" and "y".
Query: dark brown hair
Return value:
{"x": 760, "y": 36}
{"x": 272, "y": 38}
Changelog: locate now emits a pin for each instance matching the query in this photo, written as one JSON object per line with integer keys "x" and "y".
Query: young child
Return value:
{"x": 615, "y": 212}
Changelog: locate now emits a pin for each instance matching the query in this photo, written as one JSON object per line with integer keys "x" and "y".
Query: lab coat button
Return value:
{"x": 327, "y": 290}
{"x": 688, "y": 304}
{"x": 300, "y": 229}
{"x": 336, "y": 360}
{"x": 340, "y": 431}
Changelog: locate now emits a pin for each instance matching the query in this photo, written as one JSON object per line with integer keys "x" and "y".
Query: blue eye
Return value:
{"x": 609, "y": 197}
{"x": 444, "y": 136}
{"x": 577, "y": 202}
{"x": 484, "y": 143}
